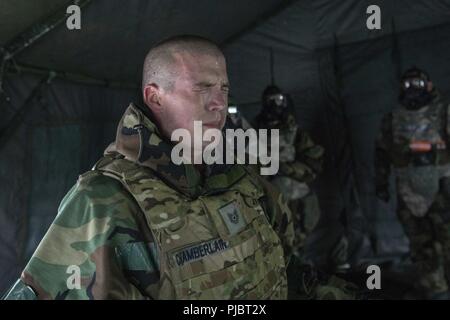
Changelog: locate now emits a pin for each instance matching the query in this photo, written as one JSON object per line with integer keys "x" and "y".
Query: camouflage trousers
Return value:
{"x": 429, "y": 238}
{"x": 306, "y": 215}
{"x": 308, "y": 283}
{"x": 305, "y": 282}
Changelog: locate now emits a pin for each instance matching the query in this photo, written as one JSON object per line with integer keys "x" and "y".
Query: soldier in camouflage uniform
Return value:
{"x": 300, "y": 163}
{"x": 140, "y": 227}
{"x": 414, "y": 141}
{"x": 300, "y": 160}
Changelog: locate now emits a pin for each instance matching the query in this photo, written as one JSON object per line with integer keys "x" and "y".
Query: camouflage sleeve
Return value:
{"x": 383, "y": 146}
{"x": 93, "y": 249}
{"x": 308, "y": 161}
{"x": 280, "y": 217}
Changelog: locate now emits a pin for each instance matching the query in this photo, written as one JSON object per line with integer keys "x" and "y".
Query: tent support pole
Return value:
{"x": 33, "y": 34}
{"x": 72, "y": 77}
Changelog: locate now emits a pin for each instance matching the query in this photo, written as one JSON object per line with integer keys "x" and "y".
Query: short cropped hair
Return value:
{"x": 159, "y": 64}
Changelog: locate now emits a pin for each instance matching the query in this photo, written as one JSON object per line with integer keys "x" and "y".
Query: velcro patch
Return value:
{"x": 232, "y": 217}
{"x": 198, "y": 251}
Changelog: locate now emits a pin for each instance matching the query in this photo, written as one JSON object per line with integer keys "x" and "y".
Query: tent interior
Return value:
{"x": 64, "y": 91}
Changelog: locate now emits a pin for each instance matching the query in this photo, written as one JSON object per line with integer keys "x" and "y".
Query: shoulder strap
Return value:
{"x": 117, "y": 167}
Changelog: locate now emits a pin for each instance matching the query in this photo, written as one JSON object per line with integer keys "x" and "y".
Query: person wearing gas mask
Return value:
{"x": 300, "y": 159}
{"x": 414, "y": 142}
{"x": 300, "y": 162}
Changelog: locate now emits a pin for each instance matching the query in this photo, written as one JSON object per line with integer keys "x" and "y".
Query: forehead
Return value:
{"x": 194, "y": 66}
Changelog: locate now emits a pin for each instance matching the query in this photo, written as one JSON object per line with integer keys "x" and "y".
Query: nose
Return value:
{"x": 218, "y": 101}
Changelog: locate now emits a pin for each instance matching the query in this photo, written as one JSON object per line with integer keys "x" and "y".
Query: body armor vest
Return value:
{"x": 287, "y": 143}
{"x": 424, "y": 125}
{"x": 290, "y": 188}
{"x": 216, "y": 246}
{"x": 418, "y": 174}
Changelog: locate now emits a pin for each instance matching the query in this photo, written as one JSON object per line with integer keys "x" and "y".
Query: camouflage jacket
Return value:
{"x": 140, "y": 227}
{"x": 300, "y": 158}
{"x": 401, "y": 127}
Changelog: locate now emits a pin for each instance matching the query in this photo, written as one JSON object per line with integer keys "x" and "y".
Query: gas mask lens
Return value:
{"x": 276, "y": 99}
{"x": 415, "y": 83}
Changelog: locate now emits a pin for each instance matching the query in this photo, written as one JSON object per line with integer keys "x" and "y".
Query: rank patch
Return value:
{"x": 232, "y": 217}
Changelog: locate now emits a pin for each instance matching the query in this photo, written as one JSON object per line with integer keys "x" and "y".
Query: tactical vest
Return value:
{"x": 287, "y": 143}
{"x": 217, "y": 246}
{"x": 426, "y": 124}
{"x": 290, "y": 188}
{"x": 418, "y": 175}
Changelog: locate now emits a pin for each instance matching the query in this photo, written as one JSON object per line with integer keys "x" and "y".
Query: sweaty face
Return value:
{"x": 199, "y": 93}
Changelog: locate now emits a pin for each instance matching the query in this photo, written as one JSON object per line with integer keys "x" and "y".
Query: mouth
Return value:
{"x": 213, "y": 124}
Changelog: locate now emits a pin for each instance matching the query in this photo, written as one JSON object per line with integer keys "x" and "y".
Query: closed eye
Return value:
{"x": 203, "y": 85}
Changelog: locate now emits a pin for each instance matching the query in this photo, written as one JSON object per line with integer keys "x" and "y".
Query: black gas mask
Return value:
{"x": 274, "y": 101}
{"x": 414, "y": 92}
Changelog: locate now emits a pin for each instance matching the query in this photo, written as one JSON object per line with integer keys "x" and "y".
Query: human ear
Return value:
{"x": 152, "y": 96}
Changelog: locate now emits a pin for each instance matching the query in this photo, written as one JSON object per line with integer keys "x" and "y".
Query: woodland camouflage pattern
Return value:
{"x": 423, "y": 185}
{"x": 300, "y": 158}
{"x": 140, "y": 227}
{"x": 300, "y": 162}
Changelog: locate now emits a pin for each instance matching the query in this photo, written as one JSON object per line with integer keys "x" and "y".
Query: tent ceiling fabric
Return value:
{"x": 291, "y": 36}
{"x": 114, "y": 37}
{"x": 18, "y": 15}
{"x": 347, "y": 19}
